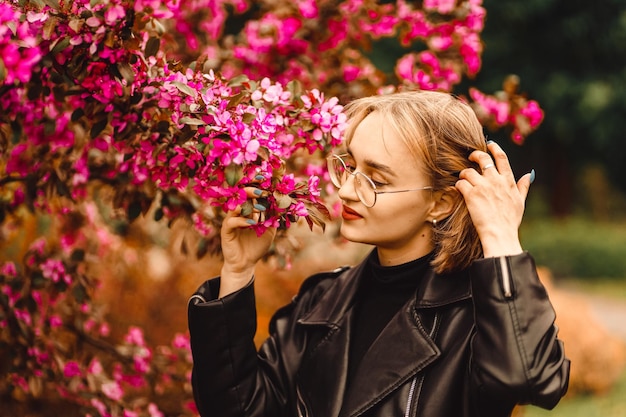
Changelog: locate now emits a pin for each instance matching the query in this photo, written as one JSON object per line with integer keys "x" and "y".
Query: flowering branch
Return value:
{"x": 112, "y": 110}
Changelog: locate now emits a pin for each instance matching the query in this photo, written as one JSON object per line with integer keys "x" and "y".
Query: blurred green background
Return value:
{"x": 570, "y": 56}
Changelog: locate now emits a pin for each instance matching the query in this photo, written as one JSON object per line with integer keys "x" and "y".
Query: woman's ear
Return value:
{"x": 444, "y": 203}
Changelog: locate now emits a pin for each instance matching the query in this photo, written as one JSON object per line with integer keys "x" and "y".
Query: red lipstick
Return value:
{"x": 349, "y": 214}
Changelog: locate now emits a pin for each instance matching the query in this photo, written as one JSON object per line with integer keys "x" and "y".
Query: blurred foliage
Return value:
{"x": 576, "y": 247}
{"x": 609, "y": 405}
{"x": 571, "y": 57}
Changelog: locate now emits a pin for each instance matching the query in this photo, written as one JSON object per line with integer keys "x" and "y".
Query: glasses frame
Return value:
{"x": 337, "y": 180}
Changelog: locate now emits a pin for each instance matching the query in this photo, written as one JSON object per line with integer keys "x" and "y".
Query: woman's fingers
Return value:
{"x": 523, "y": 185}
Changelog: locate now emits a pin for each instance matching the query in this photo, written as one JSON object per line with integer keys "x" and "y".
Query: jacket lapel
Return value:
{"x": 321, "y": 379}
{"x": 402, "y": 349}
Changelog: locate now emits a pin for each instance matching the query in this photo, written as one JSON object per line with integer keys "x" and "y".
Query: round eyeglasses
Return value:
{"x": 364, "y": 186}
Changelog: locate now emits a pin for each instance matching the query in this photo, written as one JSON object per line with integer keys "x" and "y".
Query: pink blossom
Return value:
{"x": 24, "y": 316}
{"x": 8, "y": 268}
{"x": 351, "y": 72}
{"x": 114, "y": 13}
{"x": 135, "y": 336}
{"x": 56, "y": 321}
{"x": 54, "y": 270}
{"x": 101, "y": 407}
{"x": 442, "y": 6}
{"x": 95, "y": 367}
{"x": 112, "y": 390}
{"x": 533, "y": 113}
{"x": 308, "y": 8}
{"x": 71, "y": 369}
{"x": 153, "y": 410}
{"x": 181, "y": 342}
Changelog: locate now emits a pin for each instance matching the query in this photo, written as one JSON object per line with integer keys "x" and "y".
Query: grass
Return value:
{"x": 605, "y": 287}
{"x": 612, "y": 404}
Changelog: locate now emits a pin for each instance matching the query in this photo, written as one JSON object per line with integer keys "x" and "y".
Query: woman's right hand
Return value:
{"x": 241, "y": 247}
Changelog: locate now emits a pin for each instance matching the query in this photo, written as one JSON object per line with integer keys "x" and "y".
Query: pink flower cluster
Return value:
{"x": 522, "y": 114}
{"x": 19, "y": 46}
{"x": 37, "y": 304}
{"x": 153, "y": 102}
{"x": 234, "y": 132}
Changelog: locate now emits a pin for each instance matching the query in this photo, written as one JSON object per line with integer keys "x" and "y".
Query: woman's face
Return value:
{"x": 399, "y": 223}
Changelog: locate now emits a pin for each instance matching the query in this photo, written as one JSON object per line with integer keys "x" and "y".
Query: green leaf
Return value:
{"x": 134, "y": 210}
{"x": 238, "y": 80}
{"x": 126, "y": 71}
{"x": 3, "y": 70}
{"x": 295, "y": 88}
{"x": 80, "y": 294}
{"x": 52, "y": 3}
{"x": 248, "y": 117}
{"x": 152, "y": 46}
{"x": 235, "y": 100}
{"x": 78, "y": 255}
{"x": 98, "y": 127}
{"x": 163, "y": 126}
{"x": 184, "y": 88}
{"x": 234, "y": 173}
{"x": 49, "y": 127}
{"x": 77, "y": 114}
{"x": 247, "y": 208}
{"x": 192, "y": 121}
{"x": 283, "y": 201}
{"x": 59, "y": 46}
{"x": 158, "y": 214}
{"x": 202, "y": 249}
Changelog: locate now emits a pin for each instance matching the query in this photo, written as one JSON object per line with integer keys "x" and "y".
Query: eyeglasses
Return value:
{"x": 364, "y": 186}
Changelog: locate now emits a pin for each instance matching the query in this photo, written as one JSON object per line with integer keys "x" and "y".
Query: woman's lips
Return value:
{"x": 349, "y": 214}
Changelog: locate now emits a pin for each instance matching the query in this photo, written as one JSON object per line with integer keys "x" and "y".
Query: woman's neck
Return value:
{"x": 392, "y": 257}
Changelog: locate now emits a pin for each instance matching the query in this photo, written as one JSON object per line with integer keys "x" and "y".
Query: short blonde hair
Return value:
{"x": 440, "y": 131}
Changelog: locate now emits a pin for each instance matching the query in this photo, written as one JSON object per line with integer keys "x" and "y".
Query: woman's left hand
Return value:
{"x": 495, "y": 201}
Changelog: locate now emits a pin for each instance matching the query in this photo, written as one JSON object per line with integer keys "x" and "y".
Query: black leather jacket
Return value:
{"x": 473, "y": 343}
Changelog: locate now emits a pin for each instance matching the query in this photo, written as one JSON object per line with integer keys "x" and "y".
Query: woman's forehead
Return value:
{"x": 374, "y": 139}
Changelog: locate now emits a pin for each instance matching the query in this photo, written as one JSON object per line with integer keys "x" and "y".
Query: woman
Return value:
{"x": 446, "y": 316}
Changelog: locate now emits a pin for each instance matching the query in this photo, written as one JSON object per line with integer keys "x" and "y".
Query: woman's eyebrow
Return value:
{"x": 375, "y": 165}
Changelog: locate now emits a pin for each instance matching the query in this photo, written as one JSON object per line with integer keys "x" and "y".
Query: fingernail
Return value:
{"x": 532, "y": 175}
{"x": 489, "y": 142}
{"x": 259, "y": 177}
{"x": 258, "y": 192}
{"x": 259, "y": 207}
{"x": 251, "y": 221}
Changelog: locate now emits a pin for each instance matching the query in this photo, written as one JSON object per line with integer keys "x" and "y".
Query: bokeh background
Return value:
{"x": 570, "y": 56}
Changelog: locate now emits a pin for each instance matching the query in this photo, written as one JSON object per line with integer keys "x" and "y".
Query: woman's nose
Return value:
{"x": 347, "y": 191}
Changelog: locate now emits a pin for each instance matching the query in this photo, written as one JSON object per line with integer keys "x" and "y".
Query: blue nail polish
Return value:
{"x": 532, "y": 175}
{"x": 258, "y": 192}
{"x": 489, "y": 142}
{"x": 259, "y": 207}
{"x": 251, "y": 221}
{"x": 259, "y": 177}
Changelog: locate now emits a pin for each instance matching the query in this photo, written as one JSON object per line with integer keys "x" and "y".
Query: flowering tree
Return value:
{"x": 110, "y": 110}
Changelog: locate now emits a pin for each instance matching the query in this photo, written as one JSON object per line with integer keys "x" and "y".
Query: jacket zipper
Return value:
{"x": 506, "y": 278}
{"x": 412, "y": 392}
{"x": 301, "y": 405}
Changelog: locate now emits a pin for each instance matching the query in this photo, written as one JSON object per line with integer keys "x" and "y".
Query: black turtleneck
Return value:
{"x": 383, "y": 291}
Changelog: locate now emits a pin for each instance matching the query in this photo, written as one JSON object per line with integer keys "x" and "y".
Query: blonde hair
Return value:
{"x": 440, "y": 131}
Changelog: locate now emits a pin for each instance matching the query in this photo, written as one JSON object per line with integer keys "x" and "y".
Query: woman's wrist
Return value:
{"x": 233, "y": 279}
{"x": 499, "y": 246}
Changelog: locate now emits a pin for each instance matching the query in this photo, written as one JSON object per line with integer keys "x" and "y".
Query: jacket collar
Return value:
{"x": 434, "y": 291}
{"x": 403, "y": 348}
